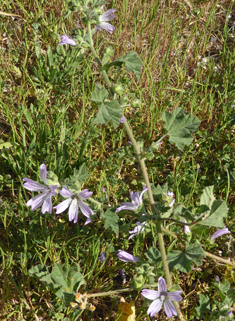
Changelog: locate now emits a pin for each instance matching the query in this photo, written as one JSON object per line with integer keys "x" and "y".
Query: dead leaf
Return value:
{"x": 126, "y": 311}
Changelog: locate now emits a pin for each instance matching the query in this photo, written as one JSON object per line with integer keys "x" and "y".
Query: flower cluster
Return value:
{"x": 73, "y": 201}
{"x": 103, "y": 24}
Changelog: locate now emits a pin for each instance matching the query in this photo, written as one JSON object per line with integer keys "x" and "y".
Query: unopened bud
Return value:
{"x": 85, "y": 45}
{"x": 119, "y": 89}
{"x": 109, "y": 51}
{"x": 136, "y": 103}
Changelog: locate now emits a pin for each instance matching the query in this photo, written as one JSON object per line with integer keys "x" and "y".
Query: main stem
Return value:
{"x": 144, "y": 171}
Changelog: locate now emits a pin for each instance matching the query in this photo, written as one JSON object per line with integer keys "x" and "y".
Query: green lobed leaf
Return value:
{"x": 39, "y": 271}
{"x": 153, "y": 255}
{"x": 216, "y": 215}
{"x": 132, "y": 62}
{"x": 100, "y": 94}
{"x": 109, "y": 111}
{"x": 47, "y": 280}
{"x": 180, "y": 127}
{"x": 180, "y": 211}
{"x": 75, "y": 181}
{"x": 52, "y": 178}
{"x": 81, "y": 174}
{"x": 64, "y": 281}
{"x": 5, "y": 145}
{"x": 183, "y": 261}
{"x": 111, "y": 220}
{"x": 204, "y": 302}
{"x": 207, "y": 197}
{"x": 68, "y": 278}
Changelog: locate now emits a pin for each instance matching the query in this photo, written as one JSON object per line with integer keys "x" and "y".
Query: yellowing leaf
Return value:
{"x": 126, "y": 311}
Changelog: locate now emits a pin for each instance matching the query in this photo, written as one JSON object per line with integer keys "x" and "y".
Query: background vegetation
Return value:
{"x": 188, "y": 54}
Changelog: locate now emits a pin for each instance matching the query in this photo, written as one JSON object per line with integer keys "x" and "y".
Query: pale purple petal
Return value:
{"x": 107, "y": 15}
{"x": 126, "y": 257}
{"x": 36, "y": 201}
{"x": 162, "y": 285}
{"x": 88, "y": 221}
{"x": 106, "y": 26}
{"x": 154, "y": 307}
{"x": 175, "y": 296}
{"x": 47, "y": 204}
{"x": 43, "y": 173}
{"x": 73, "y": 211}
{"x": 127, "y": 206}
{"x": 135, "y": 198}
{"x": 136, "y": 201}
{"x": 63, "y": 206}
{"x": 33, "y": 186}
{"x": 65, "y": 40}
{"x": 186, "y": 228}
{"x": 141, "y": 194}
{"x": 139, "y": 228}
{"x": 85, "y": 194}
{"x": 123, "y": 276}
{"x": 102, "y": 257}
{"x": 53, "y": 188}
{"x": 122, "y": 120}
{"x": 169, "y": 308}
{"x": 86, "y": 210}
{"x": 219, "y": 233}
{"x": 230, "y": 313}
{"x": 66, "y": 192}
{"x": 170, "y": 194}
{"x": 150, "y": 294}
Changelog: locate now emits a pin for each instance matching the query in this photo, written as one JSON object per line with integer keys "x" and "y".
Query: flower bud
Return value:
{"x": 119, "y": 89}
{"x": 124, "y": 100}
{"x": 109, "y": 51}
{"x": 85, "y": 45}
{"x": 136, "y": 103}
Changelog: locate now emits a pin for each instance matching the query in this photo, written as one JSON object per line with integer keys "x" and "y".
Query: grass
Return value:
{"x": 46, "y": 115}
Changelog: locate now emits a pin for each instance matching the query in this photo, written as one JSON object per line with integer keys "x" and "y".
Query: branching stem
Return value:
{"x": 145, "y": 174}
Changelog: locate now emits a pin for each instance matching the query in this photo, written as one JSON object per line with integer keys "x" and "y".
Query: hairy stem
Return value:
{"x": 145, "y": 174}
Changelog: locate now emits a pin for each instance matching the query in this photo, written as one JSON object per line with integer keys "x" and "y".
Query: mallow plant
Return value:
{"x": 153, "y": 206}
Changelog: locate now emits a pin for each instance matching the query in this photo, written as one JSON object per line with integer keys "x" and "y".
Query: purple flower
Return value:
{"x": 106, "y": 16}
{"x": 65, "y": 40}
{"x": 74, "y": 201}
{"x": 217, "y": 279}
{"x": 139, "y": 228}
{"x": 123, "y": 276}
{"x": 230, "y": 313}
{"x": 219, "y": 233}
{"x": 102, "y": 257}
{"x": 186, "y": 228}
{"x": 136, "y": 201}
{"x": 122, "y": 120}
{"x": 172, "y": 196}
{"x": 162, "y": 296}
{"x": 126, "y": 257}
{"x": 47, "y": 191}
